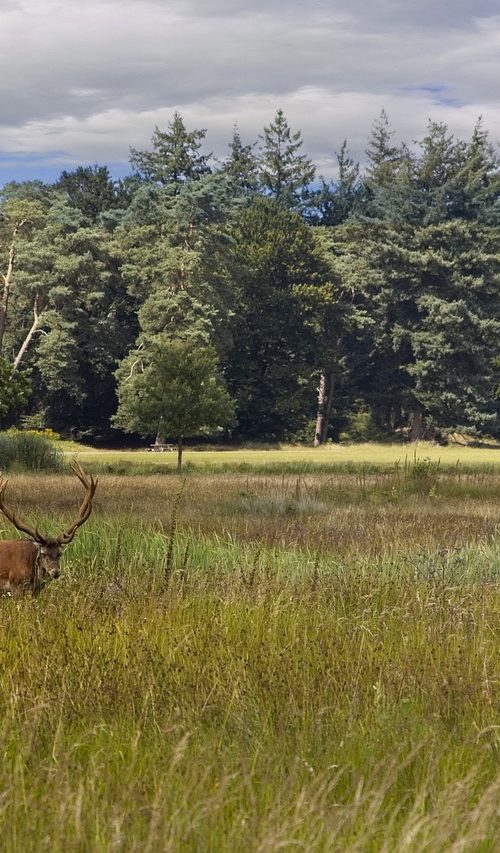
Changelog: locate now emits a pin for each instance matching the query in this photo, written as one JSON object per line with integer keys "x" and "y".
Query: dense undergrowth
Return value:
{"x": 189, "y": 686}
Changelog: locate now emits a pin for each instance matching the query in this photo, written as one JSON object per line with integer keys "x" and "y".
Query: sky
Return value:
{"x": 83, "y": 80}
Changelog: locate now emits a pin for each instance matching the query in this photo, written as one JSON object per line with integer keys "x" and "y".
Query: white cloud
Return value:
{"x": 83, "y": 82}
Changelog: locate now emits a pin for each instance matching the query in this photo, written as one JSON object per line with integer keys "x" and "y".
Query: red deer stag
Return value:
{"x": 26, "y": 563}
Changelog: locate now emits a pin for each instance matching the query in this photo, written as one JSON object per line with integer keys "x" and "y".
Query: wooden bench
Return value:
{"x": 161, "y": 448}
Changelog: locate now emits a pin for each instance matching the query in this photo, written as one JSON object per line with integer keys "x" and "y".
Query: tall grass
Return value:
{"x": 30, "y": 451}
{"x": 271, "y": 697}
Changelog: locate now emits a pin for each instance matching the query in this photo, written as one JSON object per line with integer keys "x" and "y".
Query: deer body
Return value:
{"x": 26, "y": 563}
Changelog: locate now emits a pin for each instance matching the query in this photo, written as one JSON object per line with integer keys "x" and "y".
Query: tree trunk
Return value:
{"x": 417, "y": 427}
{"x": 7, "y": 281}
{"x": 394, "y": 416}
{"x": 325, "y": 403}
{"x": 4, "y": 303}
{"x": 179, "y": 454}
{"x": 160, "y": 436}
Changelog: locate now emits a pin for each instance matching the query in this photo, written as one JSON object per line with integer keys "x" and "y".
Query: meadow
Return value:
{"x": 351, "y": 458}
{"x": 271, "y": 658}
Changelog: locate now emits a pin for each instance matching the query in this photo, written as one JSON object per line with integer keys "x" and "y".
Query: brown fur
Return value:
{"x": 24, "y": 565}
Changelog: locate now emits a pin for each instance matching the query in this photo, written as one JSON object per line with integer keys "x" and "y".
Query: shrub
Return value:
{"x": 35, "y": 421}
{"x": 46, "y": 432}
{"x": 7, "y": 451}
{"x": 361, "y": 427}
{"x": 29, "y": 450}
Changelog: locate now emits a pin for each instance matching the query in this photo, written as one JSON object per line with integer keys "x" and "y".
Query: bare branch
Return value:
{"x": 37, "y": 319}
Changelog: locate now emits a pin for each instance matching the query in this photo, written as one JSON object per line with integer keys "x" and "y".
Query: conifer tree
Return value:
{"x": 176, "y": 156}
{"x": 270, "y": 368}
{"x": 335, "y": 202}
{"x": 241, "y": 165}
{"x": 284, "y": 173}
{"x": 384, "y": 158}
{"x": 91, "y": 190}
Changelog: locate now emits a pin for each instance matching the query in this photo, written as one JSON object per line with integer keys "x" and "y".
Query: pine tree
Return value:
{"x": 388, "y": 192}
{"x": 175, "y": 158}
{"x": 270, "y": 367}
{"x": 91, "y": 190}
{"x": 336, "y": 306}
{"x": 437, "y": 169}
{"x": 284, "y": 174}
{"x": 241, "y": 165}
{"x": 335, "y": 202}
{"x": 384, "y": 158}
{"x": 177, "y": 256}
{"x": 177, "y": 260}
{"x": 455, "y": 341}
{"x": 477, "y": 182}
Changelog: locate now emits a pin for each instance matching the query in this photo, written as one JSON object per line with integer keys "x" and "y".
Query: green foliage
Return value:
{"x": 66, "y": 271}
{"x": 284, "y": 174}
{"x": 242, "y": 164}
{"x": 14, "y": 389}
{"x": 360, "y": 427}
{"x": 91, "y": 190}
{"x": 334, "y": 203}
{"x": 273, "y": 355}
{"x": 175, "y": 158}
{"x": 435, "y": 302}
{"x": 178, "y": 392}
{"x": 35, "y": 421}
{"x": 178, "y": 261}
{"x": 392, "y": 301}
{"x": 30, "y": 451}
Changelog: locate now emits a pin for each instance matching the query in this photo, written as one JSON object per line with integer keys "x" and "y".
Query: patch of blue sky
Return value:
{"x": 48, "y": 167}
{"x": 439, "y": 92}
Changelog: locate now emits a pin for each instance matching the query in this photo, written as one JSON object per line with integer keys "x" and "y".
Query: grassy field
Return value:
{"x": 259, "y": 662}
{"x": 348, "y": 457}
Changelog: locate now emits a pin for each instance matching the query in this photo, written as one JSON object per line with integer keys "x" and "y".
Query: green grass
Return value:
{"x": 338, "y": 457}
{"x": 283, "y": 663}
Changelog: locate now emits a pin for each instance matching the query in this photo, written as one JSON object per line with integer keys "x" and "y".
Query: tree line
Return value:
{"x": 291, "y": 307}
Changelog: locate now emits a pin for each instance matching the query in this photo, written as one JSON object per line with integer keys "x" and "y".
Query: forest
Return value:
{"x": 362, "y": 307}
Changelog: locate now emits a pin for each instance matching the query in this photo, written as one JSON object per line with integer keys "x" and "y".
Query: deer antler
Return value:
{"x": 85, "y": 509}
{"x": 33, "y": 534}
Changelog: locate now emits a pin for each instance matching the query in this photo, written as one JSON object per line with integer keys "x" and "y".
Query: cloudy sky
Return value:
{"x": 83, "y": 80}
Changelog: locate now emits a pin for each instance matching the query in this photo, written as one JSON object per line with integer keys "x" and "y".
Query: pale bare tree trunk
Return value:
{"x": 394, "y": 416}
{"x": 160, "y": 432}
{"x": 325, "y": 403}
{"x": 7, "y": 282}
{"x": 35, "y": 327}
{"x": 4, "y": 304}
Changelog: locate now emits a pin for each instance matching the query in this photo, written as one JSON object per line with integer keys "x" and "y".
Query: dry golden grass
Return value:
{"x": 336, "y": 513}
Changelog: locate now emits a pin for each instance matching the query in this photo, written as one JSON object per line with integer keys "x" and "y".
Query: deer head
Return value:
{"x": 50, "y": 548}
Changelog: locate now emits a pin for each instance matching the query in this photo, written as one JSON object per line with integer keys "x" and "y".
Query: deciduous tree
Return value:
{"x": 176, "y": 388}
